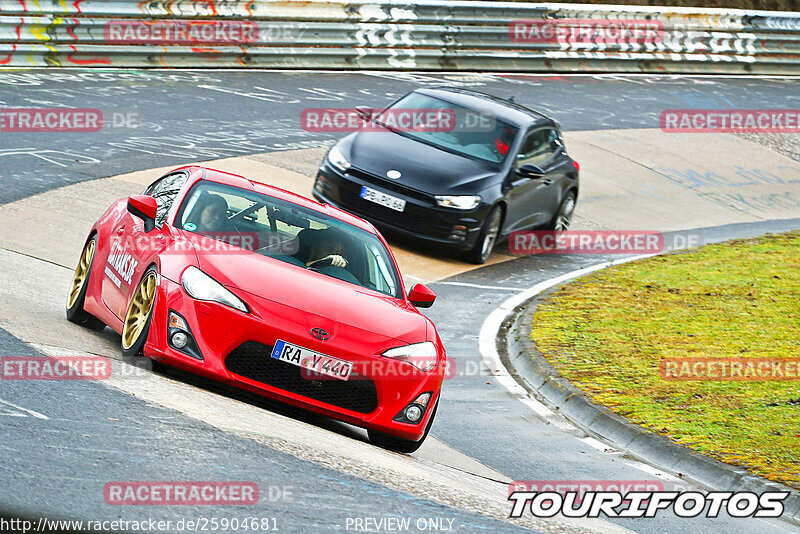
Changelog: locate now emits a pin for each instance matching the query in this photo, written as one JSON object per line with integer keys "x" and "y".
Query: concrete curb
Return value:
{"x": 533, "y": 372}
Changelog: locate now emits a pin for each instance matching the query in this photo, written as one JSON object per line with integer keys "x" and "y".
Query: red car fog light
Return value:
{"x": 179, "y": 340}
{"x": 180, "y": 337}
{"x": 413, "y": 412}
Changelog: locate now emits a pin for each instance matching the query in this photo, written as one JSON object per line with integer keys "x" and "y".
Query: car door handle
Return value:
{"x": 547, "y": 181}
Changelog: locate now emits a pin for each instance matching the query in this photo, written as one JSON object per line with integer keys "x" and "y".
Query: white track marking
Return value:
{"x": 600, "y": 446}
{"x": 37, "y": 415}
{"x": 487, "y": 342}
{"x": 658, "y": 473}
{"x": 479, "y": 286}
{"x": 491, "y": 326}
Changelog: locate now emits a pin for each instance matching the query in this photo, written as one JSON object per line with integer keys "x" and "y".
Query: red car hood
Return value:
{"x": 325, "y": 302}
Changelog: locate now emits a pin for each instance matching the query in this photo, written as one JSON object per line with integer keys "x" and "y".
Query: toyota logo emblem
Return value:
{"x": 320, "y": 333}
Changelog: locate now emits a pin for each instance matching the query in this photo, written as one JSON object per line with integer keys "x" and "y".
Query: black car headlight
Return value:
{"x": 460, "y": 202}
{"x": 337, "y": 159}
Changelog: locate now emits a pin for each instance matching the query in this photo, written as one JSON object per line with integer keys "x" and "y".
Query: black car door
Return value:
{"x": 532, "y": 197}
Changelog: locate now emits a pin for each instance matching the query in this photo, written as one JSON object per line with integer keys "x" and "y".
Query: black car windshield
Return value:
{"x": 450, "y": 127}
{"x": 290, "y": 233}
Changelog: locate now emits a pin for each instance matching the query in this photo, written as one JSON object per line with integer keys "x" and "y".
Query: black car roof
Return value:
{"x": 495, "y": 106}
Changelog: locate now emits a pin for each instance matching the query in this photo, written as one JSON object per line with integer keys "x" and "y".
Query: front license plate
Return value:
{"x": 387, "y": 201}
{"x": 313, "y": 361}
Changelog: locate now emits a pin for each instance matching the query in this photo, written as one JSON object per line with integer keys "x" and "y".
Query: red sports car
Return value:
{"x": 269, "y": 291}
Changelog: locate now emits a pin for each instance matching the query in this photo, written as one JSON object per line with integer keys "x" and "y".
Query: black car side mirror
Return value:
{"x": 530, "y": 171}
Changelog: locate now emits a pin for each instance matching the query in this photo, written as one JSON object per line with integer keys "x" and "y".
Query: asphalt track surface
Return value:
{"x": 181, "y": 117}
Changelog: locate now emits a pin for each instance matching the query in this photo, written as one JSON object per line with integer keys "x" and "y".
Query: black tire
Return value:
{"x": 563, "y": 217}
{"x": 135, "y": 349}
{"x": 385, "y": 441}
{"x": 76, "y": 313}
{"x": 487, "y": 238}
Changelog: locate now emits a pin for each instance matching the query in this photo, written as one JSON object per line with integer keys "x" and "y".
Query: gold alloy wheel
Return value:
{"x": 139, "y": 310}
{"x": 81, "y": 272}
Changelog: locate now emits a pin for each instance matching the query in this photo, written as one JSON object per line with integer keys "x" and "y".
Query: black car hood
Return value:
{"x": 422, "y": 166}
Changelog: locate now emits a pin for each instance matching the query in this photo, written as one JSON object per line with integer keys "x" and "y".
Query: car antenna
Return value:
{"x": 511, "y": 99}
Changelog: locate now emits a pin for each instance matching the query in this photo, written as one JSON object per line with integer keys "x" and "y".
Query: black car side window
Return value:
{"x": 165, "y": 190}
{"x": 538, "y": 147}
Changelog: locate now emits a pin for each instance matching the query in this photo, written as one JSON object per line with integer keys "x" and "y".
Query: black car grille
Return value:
{"x": 254, "y": 361}
{"x": 389, "y": 185}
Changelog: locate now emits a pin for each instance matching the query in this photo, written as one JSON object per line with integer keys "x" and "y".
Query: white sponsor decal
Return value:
{"x": 122, "y": 262}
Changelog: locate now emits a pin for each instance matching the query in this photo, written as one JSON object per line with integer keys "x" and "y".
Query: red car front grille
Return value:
{"x": 252, "y": 360}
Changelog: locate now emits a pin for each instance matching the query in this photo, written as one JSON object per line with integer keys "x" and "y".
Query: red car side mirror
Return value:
{"x": 144, "y": 207}
{"x": 421, "y": 296}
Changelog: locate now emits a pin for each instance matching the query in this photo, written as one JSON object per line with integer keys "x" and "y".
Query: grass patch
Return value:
{"x": 609, "y": 331}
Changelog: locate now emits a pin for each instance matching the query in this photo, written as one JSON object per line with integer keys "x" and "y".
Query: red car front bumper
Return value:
{"x": 236, "y": 348}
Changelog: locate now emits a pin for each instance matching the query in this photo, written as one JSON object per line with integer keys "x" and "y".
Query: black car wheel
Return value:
{"x": 563, "y": 219}
{"x": 385, "y": 441}
{"x": 487, "y": 237}
{"x": 78, "y": 287}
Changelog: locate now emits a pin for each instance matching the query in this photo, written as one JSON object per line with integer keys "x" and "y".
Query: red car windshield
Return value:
{"x": 289, "y": 233}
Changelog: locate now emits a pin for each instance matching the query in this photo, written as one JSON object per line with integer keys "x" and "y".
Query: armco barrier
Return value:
{"x": 384, "y": 34}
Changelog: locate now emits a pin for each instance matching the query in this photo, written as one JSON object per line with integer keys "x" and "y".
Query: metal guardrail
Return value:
{"x": 386, "y": 34}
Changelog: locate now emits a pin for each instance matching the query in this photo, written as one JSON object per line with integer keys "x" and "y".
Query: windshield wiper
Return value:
{"x": 390, "y": 128}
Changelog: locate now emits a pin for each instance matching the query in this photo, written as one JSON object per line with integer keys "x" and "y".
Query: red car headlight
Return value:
{"x": 202, "y": 287}
{"x": 420, "y": 355}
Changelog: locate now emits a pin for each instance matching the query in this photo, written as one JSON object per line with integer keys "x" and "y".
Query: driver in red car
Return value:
{"x": 213, "y": 214}
{"x": 327, "y": 245}
{"x": 210, "y": 218}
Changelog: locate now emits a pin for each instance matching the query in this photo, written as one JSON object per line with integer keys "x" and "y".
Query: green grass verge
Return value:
{"x": 608, "y": 333}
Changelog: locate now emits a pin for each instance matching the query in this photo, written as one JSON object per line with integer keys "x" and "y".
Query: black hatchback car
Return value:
{"x": 496, "y": 168}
